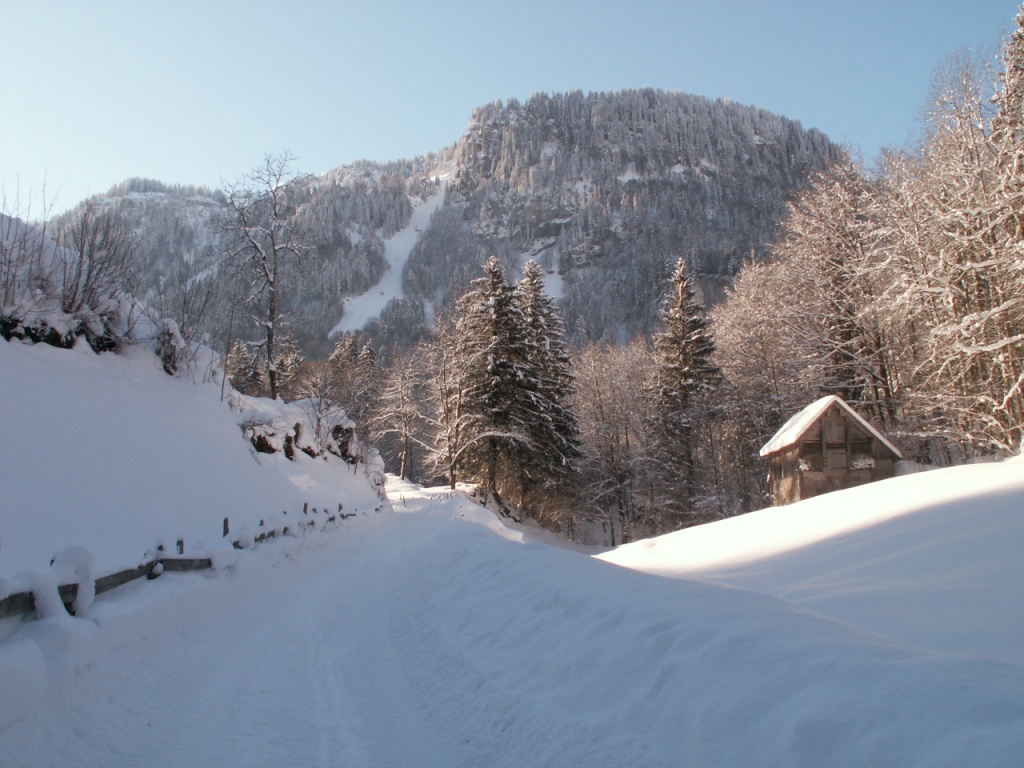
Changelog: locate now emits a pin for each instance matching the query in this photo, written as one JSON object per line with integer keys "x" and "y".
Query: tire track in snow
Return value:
{"x": 390, "y": 722}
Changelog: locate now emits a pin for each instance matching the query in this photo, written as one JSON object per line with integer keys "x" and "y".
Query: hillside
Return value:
{"x": 113, "y": 454}
{"x": 605, "y": 190}
{"x": 434, "y": 634}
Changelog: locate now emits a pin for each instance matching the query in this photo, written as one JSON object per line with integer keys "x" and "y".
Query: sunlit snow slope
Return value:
{"x": 109, "y": 452}
{"x": 434, "y": 634}
{"x": 359, "y": 310}
{"x": 935, "y": 558}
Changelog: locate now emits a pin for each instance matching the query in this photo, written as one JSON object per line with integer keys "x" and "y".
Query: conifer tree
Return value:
{"x": 288, "y": 364}
{"x": 500, "y": 391}
{"x": 364, "y": 389}
{"x": 242, "y": 366}
{"x": 686, "y": 375}
{"x": 554, "y": 434}
{"x": 345, "y": 353}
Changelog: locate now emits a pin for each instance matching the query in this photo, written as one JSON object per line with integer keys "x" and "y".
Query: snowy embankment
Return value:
{"x": 359, "y": 310}
{"x": 436, "y": 635}
{"x": 110, "y": 453}
{"x": 933, "y": 559}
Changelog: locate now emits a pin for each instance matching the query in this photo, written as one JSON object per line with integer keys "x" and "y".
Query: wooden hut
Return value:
{"x": 826, "y": 447}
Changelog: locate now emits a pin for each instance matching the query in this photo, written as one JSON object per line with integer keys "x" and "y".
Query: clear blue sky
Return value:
{"x": 196, "y": 92}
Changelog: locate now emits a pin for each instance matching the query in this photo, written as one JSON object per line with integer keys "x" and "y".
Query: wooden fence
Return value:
{"x": 25, "y": 603}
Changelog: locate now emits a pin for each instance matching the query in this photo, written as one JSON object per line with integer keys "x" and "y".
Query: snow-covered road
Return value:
{"x": 307, "y": 674}
{"x": 292, "y": 659}
{"x": 435, "y": 636}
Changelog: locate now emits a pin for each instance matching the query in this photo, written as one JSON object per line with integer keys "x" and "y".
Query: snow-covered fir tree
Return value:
{"x": 686, "y": 376}
{"x": 553, "y": 451}
{"x": 500, "y": 390}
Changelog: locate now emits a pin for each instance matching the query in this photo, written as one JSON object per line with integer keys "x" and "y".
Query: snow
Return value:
{"x": 110, "y": 453}
{"x": 629, "y": 174}
{"x": 932, "y": 559}
{"x": 794, "y": 429}
{"x": 432, "y": 633}
{"x": 554, "y": 285}
{"x": 360, "y": 310}
{"x": 74, "y": 565}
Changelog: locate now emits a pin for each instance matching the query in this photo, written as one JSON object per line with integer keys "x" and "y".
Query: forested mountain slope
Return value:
{"x": 606, "y": 190}
{"x": 609, "y": 189}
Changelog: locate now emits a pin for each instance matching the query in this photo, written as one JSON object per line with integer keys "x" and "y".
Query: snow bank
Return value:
{"x": 932, "y": 558}
{"x": 109, "y": 453}
{"x": 536, "y": 656}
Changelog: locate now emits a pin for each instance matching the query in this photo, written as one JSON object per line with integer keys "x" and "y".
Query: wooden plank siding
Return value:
{"x": 833, "y": 453}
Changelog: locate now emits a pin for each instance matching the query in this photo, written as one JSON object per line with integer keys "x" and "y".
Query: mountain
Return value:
{"x": 608, "y": 190}
{"x": 605, "y": 190}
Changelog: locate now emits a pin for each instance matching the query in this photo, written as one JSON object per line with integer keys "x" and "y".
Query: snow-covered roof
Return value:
{"x": 794, "y": 429}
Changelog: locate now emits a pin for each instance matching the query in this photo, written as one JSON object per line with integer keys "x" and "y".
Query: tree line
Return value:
{"x": 495, "y": 398}
{"x": 901, "y": 289}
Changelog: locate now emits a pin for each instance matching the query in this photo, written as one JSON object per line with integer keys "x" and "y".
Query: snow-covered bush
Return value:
{"x": 56, "y": 291}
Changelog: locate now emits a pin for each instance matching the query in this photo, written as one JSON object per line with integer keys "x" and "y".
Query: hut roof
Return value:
{"x": 794, "y": 429}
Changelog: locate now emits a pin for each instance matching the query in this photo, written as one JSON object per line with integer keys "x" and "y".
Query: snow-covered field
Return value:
{"x": 934, "y": 559}
{"x": 872, "y": 627}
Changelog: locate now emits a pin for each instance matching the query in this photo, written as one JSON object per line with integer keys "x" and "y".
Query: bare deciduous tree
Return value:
{"x": 96, "y": 259}
{"x": 263, "y": 222}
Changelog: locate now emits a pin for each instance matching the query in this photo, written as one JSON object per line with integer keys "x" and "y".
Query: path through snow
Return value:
{"x": 435, "y": 636}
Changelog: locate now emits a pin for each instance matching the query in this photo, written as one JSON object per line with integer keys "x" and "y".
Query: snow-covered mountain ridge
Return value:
{"x": 605, "y": 190}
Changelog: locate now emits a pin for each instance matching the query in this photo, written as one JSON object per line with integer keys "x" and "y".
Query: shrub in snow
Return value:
{"x": 55, "y": 292}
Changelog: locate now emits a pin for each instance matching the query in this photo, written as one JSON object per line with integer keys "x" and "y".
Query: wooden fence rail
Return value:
{"x": 21, "y": 603}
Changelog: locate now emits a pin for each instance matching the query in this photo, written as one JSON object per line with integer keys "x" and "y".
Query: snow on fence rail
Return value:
{"x": 21, "y": 603}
